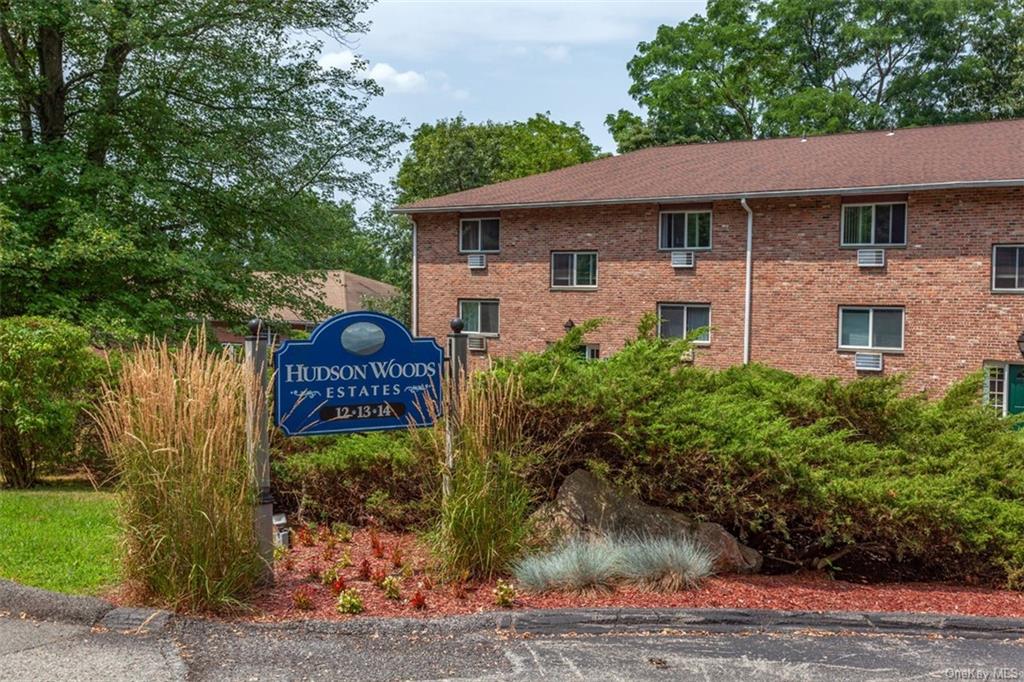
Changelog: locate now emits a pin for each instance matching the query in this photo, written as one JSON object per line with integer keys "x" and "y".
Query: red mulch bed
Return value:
{"x": 798, "y": 592}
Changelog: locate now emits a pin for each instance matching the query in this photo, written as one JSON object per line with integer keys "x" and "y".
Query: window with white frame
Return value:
{"x": 479, "y": 316}
{"x": 874, "y": 224}
{"x": 685, "y": 230}
{"x": 871, "y": 328}
{"x": 1008, "y": 267}
{"x": 995, "y": 387}
{"x": 679, "y": 320}
{"x": 574, "y": 269}
{"x": 479, "y": 235}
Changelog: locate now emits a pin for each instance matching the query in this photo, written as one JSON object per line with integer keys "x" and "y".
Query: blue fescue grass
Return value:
{"x": 579, "y": 565}
{"x": 576, "y": 566}
{"x": 666, "y": 564}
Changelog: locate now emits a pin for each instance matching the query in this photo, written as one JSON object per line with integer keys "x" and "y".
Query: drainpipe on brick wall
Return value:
{"x": 749, "y": 283}
{"x": 412, "y": 304}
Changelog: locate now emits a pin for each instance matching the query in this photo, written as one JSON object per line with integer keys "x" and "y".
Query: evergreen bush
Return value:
{"x": 857, "y": 477}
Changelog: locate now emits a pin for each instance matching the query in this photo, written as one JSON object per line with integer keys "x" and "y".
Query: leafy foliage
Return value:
{"x": 350, "y": 478}
{"x": 853, "y": 477}
{"x": 154, "y": 155}
{"x": 766, "y": 68}
{"x": 453, "y": 155}
{"x": 47, "y": 372}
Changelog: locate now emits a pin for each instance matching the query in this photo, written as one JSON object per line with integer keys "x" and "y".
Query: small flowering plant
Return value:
{"x": 350, "y": 602}
{"x": 505, "y": 594}
{"x": 391, "y": 587}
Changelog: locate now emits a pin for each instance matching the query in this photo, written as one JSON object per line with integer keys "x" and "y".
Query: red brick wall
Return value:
{"x": 801, "y": 276}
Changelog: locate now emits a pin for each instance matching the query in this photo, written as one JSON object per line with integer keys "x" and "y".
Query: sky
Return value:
{"x": 506, "y": 60}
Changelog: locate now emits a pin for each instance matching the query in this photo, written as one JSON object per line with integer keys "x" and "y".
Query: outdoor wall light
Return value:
{"x": 569, "y": 325}
{"x": 1020, "y": 343}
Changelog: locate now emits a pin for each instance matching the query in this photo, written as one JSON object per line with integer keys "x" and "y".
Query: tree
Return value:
{"x": 47, "y": 371}
{"x": 453, "y": 155}
{"x": 154, "y": 155}
{"x": 766, "y": 68}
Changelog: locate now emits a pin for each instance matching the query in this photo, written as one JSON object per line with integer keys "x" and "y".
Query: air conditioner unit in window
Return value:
{"x": 478, "y": 343}
{"x": 867, "y": 362}
{"x": 477, "y": 261}
{"x": 871, "y": 258}
{"x": 682, "y": 259}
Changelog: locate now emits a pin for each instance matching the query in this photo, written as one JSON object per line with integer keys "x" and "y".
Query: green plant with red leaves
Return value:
{"x": 338, "y": 585}
{"x": 397, "y": 560}
{"x": 376, "y": 546}
{"x": 302, "y": 598}
{"x": 378, "y": 576}
{"x": 364, "y": 570}
{"x": 418, "y": 601}
{"x": 313, "y": 572}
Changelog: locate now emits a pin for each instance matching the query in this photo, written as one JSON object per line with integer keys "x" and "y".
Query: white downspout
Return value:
{"x": 413, "y": 307}
{"x": 749, "y": 283}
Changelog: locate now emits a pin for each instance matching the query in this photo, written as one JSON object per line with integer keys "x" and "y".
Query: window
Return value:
{"x": 871, "y": 328}
{"x": 479, "y": 317}
{"x": 874, "y": 225}
{"x": 685, "y": 230}
{"x": 1008, "y": 268}
{"x": 995, "y": 387}
{"x": 574, "y": 269}
{"x": 479, "y": 235}
{"x": 590, "y": 351}
{"x": 678, "y": 320}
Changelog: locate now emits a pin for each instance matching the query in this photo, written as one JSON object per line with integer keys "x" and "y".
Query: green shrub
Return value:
{"x": 345, "y": 479}
{"x": 175, "y": 427}
{"x": 47, "y": 372}
{"x": 858, "y": 477}
{"x": 350, "y": 602}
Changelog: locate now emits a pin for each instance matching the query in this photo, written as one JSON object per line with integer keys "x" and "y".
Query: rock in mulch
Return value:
{"x": 585, "y": 505}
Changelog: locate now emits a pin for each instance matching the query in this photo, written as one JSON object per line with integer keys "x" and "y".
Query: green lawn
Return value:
{"x": 62, "y": 539}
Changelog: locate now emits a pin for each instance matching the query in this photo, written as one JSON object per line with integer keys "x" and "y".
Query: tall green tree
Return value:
{"x": 453, "y": 155}
{"x": 154, "y": 155}
{"x": 765, "y": 68}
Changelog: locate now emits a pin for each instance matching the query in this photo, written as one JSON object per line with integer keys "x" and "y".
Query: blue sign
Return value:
{"x": 357, "y": 372}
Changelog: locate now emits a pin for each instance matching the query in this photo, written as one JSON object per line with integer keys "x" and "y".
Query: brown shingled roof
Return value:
{"x": 989, "y": 153}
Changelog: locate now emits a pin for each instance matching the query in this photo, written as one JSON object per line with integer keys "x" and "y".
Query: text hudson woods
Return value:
{"x": 383, "y": 371}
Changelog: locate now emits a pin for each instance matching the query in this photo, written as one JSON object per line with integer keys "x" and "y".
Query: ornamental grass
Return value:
{"x": 174, "y": 424}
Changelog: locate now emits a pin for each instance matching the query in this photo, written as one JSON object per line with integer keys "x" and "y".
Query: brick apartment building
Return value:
{"x": 863, "y": 253}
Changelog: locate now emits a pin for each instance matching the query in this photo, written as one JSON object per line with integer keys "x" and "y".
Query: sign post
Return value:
{"x": 458, "y": 351}
{"x": 257, "y": 344}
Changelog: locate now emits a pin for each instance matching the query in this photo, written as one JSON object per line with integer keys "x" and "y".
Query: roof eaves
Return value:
{"x": 958, "y": 184}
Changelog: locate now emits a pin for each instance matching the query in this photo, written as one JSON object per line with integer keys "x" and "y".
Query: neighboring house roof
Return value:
{"x": 342, "y": 292}
{"x": 960, "y": 155}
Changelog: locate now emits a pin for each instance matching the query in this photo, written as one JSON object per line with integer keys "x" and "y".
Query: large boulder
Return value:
{"x": 587, "y": 506}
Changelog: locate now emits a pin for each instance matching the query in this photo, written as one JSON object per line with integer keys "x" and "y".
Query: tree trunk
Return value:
{"x": 18, "y": 470}
{"x": 51, "y": 109}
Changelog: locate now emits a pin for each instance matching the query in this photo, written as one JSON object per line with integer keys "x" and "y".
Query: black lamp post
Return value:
{"x": 570, "y": 325}
{"x": 1020, "y": 343}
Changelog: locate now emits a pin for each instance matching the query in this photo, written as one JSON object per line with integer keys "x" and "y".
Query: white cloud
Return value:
{"x": 387, "y": 76}
{"x": 393, "y": 80}
{"x": 557, "y": 53}
{"x": 342, "y": 59}
{"x": 417, "y": 29}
